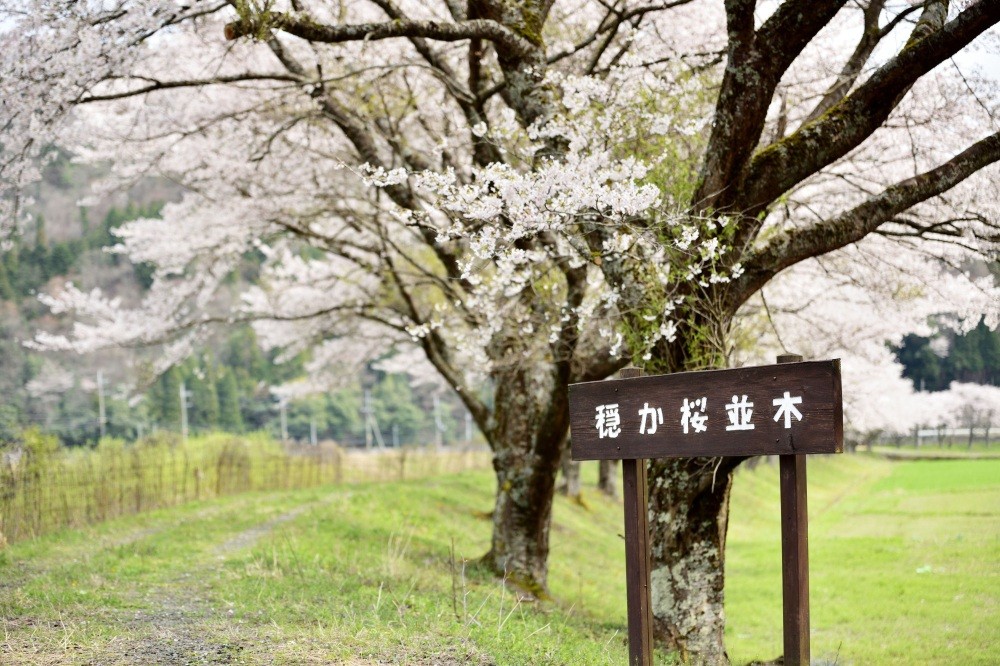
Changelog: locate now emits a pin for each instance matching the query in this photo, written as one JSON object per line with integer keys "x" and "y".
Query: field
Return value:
{"x": 905, "y": 564}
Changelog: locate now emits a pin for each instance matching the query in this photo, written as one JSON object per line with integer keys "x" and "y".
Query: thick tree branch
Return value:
{"x": 307, "y": 28}
{"x": 755, "y": 64}
{"x": 463, "y": 97}
{"x": 598, "y": 366}
{"x": 779, "y": 167}
{"x": 792, "y": 247}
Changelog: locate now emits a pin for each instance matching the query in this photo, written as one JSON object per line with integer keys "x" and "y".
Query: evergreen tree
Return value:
{"x": 228, "y": 392}
{"x": 920, "y": 364}
{"x": 303, "y": 414}
{"x": 60, "y": 260}
{"x": 244, "y": 356}
{"x": 964, "y": 358}
{"x": 395, "y": 407}
{"x": 10, "y": 423}
{"x": 7, "y": 292}
{"x": 84, "y": 221}
{"x": 165, "y": 406}
{"x": 343, "y": 414}
{"x": 29, "y": 274}
{"x": 12, "y": 266}
{"x": 989, "y": 350}
{"x": 77, "y": 422}
{"x": 204, "y": 411}
{"x": 972, "y": 357}
{"x": 41, "y": 236}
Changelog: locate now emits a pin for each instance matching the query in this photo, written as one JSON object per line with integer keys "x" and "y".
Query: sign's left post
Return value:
{"x": 635, "y": 493}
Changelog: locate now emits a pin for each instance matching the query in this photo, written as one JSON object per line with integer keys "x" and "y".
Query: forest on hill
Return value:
{"x": 228, "y": 382}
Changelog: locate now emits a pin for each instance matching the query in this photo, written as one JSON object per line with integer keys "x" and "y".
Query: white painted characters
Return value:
{"x": 693, "y": 415}
{"x": 786, "y": 407}
{"x": 608, "y": 421}
{"x": 739, "y": 413}
{"x": 655, "y": 418}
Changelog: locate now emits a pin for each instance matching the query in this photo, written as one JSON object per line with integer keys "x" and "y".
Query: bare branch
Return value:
{"x": 156, "y": 84}
{"x": 787, "y": 249}
{"x": 610, "y": 24}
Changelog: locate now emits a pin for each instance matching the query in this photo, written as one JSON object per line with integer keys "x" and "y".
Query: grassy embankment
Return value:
{"x": 904, "y": 563}
{"x": 48, "y": 487}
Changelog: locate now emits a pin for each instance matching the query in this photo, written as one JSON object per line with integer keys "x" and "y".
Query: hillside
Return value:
{"x": 228, "y": 381}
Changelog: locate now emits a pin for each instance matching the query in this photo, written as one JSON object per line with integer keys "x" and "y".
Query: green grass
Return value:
{"x": 904, "y": 563}
{"x": 904, "y": 566}
{"x": 376, "y": 572}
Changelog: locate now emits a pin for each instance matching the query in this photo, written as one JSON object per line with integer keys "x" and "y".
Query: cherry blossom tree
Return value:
{"x": 530, "y": 194}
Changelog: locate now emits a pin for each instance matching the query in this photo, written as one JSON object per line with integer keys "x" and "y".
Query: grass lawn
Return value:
{"x": 905, "y": 564}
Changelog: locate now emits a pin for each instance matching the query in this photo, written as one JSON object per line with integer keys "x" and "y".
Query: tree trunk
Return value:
{"x": 528, "y": 433}
{"x": 519, "y": 549}
{"x": 606, "y": 477}
{"x": 689, "y": 514}
{"x": 571, "y": 475}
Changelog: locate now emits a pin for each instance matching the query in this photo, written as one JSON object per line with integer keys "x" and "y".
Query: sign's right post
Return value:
{"x": 794, "y": 552}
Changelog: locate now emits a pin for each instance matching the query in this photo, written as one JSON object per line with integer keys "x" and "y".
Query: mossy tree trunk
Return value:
{"x": 528, "y": 434}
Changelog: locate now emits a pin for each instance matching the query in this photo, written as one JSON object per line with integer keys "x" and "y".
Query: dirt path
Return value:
{"x": 177, "y": 622}
{"x": 182, "y": 626}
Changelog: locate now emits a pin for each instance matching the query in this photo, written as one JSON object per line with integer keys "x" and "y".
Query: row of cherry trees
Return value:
{"x": 530, "y": 194}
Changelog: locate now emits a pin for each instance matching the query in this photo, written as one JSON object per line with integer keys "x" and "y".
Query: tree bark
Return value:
{"x": 520, "y": 545}
{"x": 571, "y": 475}
{"x": 528, "y": 434}
{"x": 689, "y": 516}
{"x": 606, "y": 478}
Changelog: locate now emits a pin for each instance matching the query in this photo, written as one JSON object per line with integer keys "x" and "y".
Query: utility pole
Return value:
{"x": 468, "y": 427}
{"x": 284, "y": 420}
{"x": 395, "y": 436}
{"x": 438, "y": 424}
{"x": 372, "y": 431}
{"x": 102, "y": 418}
{"x": 312, "y": 432}
{"x": 366, "y": 412}
{"x": 184, "y": 412}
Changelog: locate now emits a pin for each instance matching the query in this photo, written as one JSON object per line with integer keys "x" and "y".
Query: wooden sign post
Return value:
{"x": 790, "y": 410}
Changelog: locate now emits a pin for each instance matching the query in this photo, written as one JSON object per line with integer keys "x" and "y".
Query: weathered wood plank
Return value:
{"x": 791, "y": 408}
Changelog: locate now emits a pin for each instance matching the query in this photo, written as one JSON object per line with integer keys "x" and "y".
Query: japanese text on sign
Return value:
{"x": 778, "y": 409}
{"x": 694, "y": 417}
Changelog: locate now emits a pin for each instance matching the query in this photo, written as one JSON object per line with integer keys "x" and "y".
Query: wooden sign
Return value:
{"x": 788, "y": 409}
{"x": 791, "y": 408}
